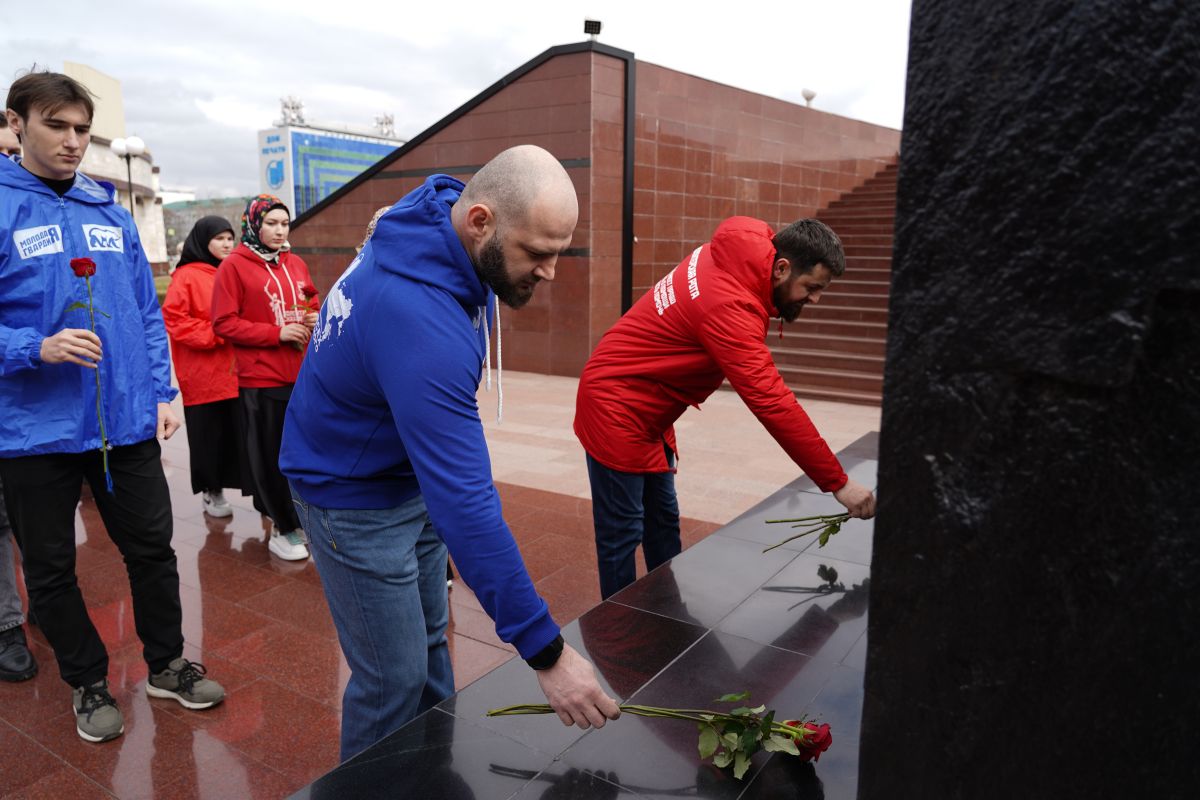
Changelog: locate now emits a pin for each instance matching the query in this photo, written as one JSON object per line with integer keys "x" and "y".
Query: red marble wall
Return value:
{"x": 705, "y": 151}
{"x": 551, "y": 107}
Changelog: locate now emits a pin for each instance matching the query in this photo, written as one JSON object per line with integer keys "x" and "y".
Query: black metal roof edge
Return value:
{"x": 456, "y": 114}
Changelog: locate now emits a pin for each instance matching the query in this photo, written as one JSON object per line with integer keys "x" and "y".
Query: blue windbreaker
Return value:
{"x": 384, "y": 407}
{"x": 51, "y": 408}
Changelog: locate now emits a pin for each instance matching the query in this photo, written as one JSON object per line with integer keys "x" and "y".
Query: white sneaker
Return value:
{"x": 215, "y": 504}
{"x": 288, "y": 546}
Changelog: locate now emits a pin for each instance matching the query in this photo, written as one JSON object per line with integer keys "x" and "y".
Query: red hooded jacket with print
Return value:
{"x": 204, "y": 362}
{"x": 704, "y": 322}
{"x": 252, "y": 300}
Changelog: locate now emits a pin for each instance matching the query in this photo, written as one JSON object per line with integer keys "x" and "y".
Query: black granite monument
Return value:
{"x": 1033, "y": 625}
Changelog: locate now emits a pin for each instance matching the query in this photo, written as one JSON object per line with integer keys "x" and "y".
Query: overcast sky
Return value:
{"x": 200, "y": 78}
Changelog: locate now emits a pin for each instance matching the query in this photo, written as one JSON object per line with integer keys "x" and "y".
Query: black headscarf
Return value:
{"x": 196, "y": 246}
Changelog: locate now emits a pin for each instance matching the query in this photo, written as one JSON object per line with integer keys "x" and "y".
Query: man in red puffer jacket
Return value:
{"x": 703, "y": 323}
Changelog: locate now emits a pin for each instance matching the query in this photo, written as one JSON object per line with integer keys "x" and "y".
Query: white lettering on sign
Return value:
{"x": 32, "y": 242}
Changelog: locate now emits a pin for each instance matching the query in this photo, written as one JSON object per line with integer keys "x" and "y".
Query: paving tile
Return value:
{"x": 309, "y": 663}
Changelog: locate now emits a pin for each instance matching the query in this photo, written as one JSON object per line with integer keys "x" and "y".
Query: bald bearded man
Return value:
{"x": 385, "y": 452}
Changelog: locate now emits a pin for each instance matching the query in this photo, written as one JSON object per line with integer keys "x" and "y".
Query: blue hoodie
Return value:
{"x": 384, "y": 408}
{"x": 51, "y": 408}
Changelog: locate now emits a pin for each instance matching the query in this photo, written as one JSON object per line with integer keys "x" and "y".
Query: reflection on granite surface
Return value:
{"x": 434, "y": 757}
{"x": 659, "y": 755}
{"x": 802, "y": 610}
{"x": 627, "y": 646}
{"x": 789, "y": 626}
{"x": 704, "y": 583}
{"x": 560, "y": 782}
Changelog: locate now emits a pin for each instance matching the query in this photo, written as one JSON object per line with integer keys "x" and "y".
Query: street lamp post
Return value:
{"x": 128, "y": 149}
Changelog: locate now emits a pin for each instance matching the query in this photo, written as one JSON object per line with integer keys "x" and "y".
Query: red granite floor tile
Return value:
{"x": 549, "y": 553}
{"x": 308, "y": 663}
{"x": 237, "y": 776}
{"x": 210, "y": 623}
{"x": 278, "y": 727}
{"x": 156, "y": 749}
{"x": 570, "y": 592}
{"x": 297, "y": 603}
{"x": 472, "y": 659}
{"x": 25, "y": 702}
{"x": 62, "y": 783}
{"x": 544, "y": 521}
{"x": 220, "y": 576}
{"x": 34, "y": 762}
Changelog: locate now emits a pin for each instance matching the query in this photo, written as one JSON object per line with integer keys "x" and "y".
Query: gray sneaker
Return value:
{"x": 184, "y": 681}
{"x": 97, "y": 718}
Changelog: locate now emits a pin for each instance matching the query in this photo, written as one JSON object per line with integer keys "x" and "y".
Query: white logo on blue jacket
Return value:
{"x": 336, "y": 308}
{"x": 104, "y": 238}
{"x": 32, "y": 242}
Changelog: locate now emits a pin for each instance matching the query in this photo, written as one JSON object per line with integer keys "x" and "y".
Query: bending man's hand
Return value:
{"x": 857, "y": 499}
{"x": 570, "y": 687}
{"x": 75, "y": 345}
{"x": 168, "y": 423}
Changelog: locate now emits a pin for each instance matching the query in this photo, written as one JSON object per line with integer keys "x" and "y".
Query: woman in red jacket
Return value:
{"x": 264, "y": 302}
{"x": 204, "y": 365}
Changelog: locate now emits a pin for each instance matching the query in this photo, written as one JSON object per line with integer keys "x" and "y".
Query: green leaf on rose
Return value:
{"x": 780, "y": 744}
{"x": 759, "y": 709}
{"x": 733, "y": 698}
{"x": 76, "y": 305}
{"x": 708, "y": 741}
{"x": 743, "y": 711}
{"x": 741, "y": 763}
{"x": 749, "y": 741}
{"x": 723, "y": 759}
{"x": 105, "y": 313}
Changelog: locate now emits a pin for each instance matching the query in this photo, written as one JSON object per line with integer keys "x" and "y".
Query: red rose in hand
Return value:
{"x": 83, "y": 267}
{"x": 308, "y": 290}
{"x": 816, "y": 742}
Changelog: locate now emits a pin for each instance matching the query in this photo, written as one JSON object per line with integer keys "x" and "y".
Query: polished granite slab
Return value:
{"x": 789, "y": 626}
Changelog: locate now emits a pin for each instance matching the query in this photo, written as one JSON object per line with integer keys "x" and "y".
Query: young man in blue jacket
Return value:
{"x": 85, "y": 387}
{"x": 385, "y": 452}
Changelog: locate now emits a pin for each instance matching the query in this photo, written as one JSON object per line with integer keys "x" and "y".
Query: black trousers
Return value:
{"x": 41, "y": 493}
{"x": 214, "y": 445}
{"x": 262, "y": 425}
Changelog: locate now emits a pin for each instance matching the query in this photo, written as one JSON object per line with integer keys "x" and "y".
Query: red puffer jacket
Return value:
{"x": 204, "y": 362}
{"x": 704, "y": 322}
{"x": 252, "y": 300}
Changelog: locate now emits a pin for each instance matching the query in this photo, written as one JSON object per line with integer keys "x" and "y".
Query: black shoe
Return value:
{"x": 16, "y": 662}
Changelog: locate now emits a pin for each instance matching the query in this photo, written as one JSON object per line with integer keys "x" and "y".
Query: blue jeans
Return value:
{"x": 384, "y": 574}
{"x": 629, "y": 509}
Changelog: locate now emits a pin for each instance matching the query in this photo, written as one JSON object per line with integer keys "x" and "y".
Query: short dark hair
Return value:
{"x": 808, "y": 242}
{"x": 48, "y": 92}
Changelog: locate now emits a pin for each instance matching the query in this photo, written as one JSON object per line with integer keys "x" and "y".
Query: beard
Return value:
{"x": 493, "y": 269}
{"x": 788, "y": 312}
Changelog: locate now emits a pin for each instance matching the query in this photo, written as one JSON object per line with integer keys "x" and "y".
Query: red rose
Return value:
{"x": 83, "y": 267}
{"x": 308, "y": 290}
{"x": 817, "y": 741}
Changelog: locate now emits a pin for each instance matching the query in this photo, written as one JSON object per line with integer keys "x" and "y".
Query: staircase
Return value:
{"x": 835, "y": 350}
